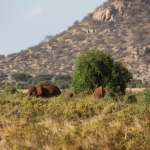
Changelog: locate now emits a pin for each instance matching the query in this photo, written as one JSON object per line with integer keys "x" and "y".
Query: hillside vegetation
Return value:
{"x": 121, "y": 27}
{"x": 80, "y": 123}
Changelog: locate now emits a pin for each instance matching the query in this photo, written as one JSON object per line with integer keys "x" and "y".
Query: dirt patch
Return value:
{"x": 23, "y": 90}
{"x": 136, "y": 89}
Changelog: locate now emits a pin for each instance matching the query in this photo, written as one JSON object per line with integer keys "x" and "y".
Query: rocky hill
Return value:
{"x": 119, "y": 26}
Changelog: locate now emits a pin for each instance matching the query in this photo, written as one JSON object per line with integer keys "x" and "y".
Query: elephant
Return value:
{"x": 99, "y": 92}
{"x": 44, "y": 91}
{"x": 72, "y": 94}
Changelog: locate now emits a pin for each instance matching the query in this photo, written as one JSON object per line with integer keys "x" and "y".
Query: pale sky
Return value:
{"x": 25, "y": 23}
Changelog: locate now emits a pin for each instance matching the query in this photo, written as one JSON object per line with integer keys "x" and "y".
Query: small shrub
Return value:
{"x": 145, "y": 97}
{"x": 9, "y": 89}
{"x": 130, "y": 99}
{"x": 20, "y": 85}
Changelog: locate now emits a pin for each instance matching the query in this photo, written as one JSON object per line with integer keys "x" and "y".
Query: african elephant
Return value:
{"x": 44, "y": 91}
{"x": 99, "y": 92}
{"x": 72, "y": 94}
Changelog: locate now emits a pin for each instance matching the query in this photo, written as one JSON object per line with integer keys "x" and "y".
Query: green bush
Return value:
{"x": 120, "y": 76}
{"x": 9, "y": 89}
{"x": 145, "y": 97}
{"x": 20, "y": 85}
{"x": 91, "y": 69}
{"x": 130, "y": 98}
{"x": 95, "y": 68}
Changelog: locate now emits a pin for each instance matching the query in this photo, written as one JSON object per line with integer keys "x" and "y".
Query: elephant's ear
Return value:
{"x": 39, "y": 90}
{"x": 31, "y": 89}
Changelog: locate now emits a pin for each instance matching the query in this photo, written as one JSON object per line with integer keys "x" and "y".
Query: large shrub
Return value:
{"x": 95, "y": 68}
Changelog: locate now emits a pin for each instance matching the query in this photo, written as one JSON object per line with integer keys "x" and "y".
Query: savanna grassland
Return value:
{"x": 78, "y": 123}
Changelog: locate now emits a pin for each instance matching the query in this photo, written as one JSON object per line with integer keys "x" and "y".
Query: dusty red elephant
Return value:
{"x": 99, "y": 92}
{"x": 44, "y": 91}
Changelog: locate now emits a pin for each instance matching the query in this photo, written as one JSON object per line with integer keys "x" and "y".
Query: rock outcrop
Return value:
{"x": 110, "y": 11}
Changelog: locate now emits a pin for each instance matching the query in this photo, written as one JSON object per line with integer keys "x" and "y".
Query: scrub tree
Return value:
{"x": 95, "y": 68}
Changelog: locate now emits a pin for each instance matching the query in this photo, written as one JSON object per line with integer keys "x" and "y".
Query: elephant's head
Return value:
{"x": 35, "y": 90}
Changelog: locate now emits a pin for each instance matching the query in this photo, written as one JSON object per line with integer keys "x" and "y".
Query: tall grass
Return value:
{"x": 79, "y": 123}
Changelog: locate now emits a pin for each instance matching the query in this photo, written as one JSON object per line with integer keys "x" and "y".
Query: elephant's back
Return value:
{"x": 98, "y": 92}
{"x": 53, "y": 89}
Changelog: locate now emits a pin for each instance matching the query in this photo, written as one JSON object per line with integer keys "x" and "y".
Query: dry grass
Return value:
{"x": 79, "y": 123}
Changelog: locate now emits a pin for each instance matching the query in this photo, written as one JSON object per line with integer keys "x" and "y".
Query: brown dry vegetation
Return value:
{"x": 79, "y": 123}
